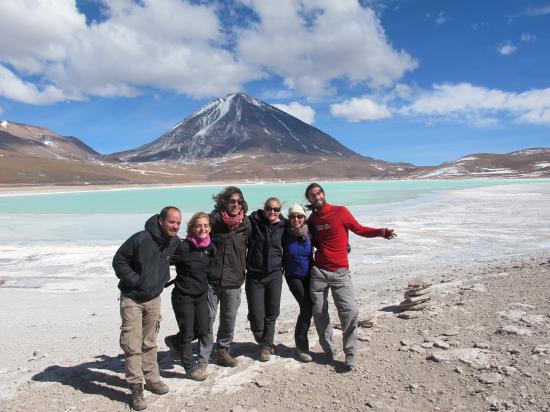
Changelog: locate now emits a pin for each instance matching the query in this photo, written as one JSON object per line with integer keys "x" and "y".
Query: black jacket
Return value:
{"x": 229, "y": 263}
{"x": 142, "y": 263}
{"x": 192, "y": 265}
{"x": 264, "y": 249}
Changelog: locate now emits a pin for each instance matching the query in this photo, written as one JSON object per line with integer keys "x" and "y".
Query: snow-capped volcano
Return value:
{"x": 233, "y": 124}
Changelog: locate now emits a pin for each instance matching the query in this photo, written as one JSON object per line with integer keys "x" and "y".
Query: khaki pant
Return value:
{"x": 138, "y": 339}
{"x": 340, "y": 284}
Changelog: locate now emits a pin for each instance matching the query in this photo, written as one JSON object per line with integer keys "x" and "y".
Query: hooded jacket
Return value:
{"x": 228, "y": 266}
{"x": 142, "y": 263}
{"x": 265, "y": 250}
{"x": 192, "y": 265}
{"x": 298, "y": 255}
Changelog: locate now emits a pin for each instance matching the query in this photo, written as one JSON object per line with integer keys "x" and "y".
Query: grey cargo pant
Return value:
{"x": 229, "y": 300}
{"x": 341, "y": 286}
{"x": 138, "y": 339}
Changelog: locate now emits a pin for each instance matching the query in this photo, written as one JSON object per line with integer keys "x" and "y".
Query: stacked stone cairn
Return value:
{"x": 417, "y": 299}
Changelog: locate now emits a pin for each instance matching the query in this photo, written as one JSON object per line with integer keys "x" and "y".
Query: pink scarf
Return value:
{"x": 200, "y": 244}
{"x": 232, "y": 222}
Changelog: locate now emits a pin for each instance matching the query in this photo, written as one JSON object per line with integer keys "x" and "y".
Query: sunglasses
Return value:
{"x": 235, "y": 202}
{"x": 297, "y": 217}
{"x": 274, "y": 209}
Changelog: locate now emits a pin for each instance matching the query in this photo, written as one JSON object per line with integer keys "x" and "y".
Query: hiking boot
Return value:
{"x": 225, "y": 358}
{"x": 197, "y": 374}
{"x": 202, "y": 364}
{"x": 158, "y": 388}
{"x": 350, "y": 361}
{"x": 170, "y": 341}
{"x": 138, "y": 400}
{"x": 265, "y": 354}
{"x": 303, "y": 356}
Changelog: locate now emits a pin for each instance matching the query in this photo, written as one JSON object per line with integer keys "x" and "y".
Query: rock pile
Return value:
{"x": 417, "y": 298}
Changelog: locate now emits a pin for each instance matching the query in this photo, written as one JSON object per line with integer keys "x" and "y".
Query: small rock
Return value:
{"x": 441, "y": 344}
{"x": 409, "y": 315}
{"x": 490, "y": 378}
{"x": 416, "y": 349}
{"x": 482, "y": 345}
{"x": 427, "y": 345}
{"x": 407, "y": 342}
{"x": 261, "y": 383}
{"x": 508, "y": 370}
{"x": 541, "y": 349}
{"x": 451, "y": 332}
{"x": 438, "y": 357}
{"x": 513, "y": 330}
{"x": 458, "y": 370}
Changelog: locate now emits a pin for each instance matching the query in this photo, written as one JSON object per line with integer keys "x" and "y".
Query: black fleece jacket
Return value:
{"x": 192, "y": 265}
{"x": 142, "y": 263}
{"x": 265, "y": 251}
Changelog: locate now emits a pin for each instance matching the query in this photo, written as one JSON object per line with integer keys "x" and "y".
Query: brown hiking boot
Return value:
{"x": 138, "y": 400}
{"x": 265, "y": 354}
{"x": 158, "y": 388}
{"x": 197, "y": 374}
{"x": 225, "y": 358}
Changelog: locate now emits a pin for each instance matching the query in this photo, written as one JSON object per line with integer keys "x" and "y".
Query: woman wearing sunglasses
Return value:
{"x": 264, "y": 278}
{"x": 297, "y": 263}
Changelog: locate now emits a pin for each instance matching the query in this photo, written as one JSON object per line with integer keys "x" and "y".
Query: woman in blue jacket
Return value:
{"x": 297, "y": 263}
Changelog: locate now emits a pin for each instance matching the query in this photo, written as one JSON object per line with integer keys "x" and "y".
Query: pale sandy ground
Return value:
{"x": 486, "y": 250}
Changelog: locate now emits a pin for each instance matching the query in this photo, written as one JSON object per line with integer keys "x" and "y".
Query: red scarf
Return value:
{"x": 232, "y": 222}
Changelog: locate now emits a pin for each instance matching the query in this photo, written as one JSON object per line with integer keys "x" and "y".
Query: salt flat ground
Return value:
{"x": 60, "y": 331}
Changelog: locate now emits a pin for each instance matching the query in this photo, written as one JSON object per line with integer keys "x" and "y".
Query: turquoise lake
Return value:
{"x": 194, "y": 198}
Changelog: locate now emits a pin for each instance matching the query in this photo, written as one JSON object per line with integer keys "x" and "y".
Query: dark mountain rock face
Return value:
{"x": 233, "y": 124}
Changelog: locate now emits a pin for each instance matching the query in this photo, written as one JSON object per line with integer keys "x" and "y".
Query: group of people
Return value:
{"x": 222, "y": 251}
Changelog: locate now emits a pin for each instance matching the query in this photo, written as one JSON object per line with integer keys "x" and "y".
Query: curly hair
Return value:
{"x": 222, "y": 199}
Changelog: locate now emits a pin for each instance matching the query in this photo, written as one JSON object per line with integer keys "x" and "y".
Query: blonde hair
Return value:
{"x": 272, "y": 199}
{"x": 193, "y": 221}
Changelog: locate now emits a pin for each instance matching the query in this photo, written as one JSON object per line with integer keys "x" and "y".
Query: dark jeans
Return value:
{"x": 263, "y": 293}
{"x": 299, "y": 287}
{"x": 192, "y": 317}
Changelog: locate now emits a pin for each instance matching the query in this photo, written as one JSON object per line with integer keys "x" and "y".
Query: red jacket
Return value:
{"x": 330, "y": 226}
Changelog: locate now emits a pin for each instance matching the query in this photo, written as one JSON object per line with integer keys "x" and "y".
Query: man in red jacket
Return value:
{"x": 331, "y": 225}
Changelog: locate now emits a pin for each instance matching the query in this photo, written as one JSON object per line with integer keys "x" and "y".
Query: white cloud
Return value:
{"x": 441, "y": 19}
{"x": 34, "y": 32}
{"x": 528, "y": 37}
{"x": 182, "y": 46}
{"x": 538, "y": 11}
{"x": 481, "y": 105}
{"x": 305, "y": 113}
{"x": 14, "y": 88}
{"x": 507, "y": 49}
{"x": 311, "y": 43}
{"x": 358, "y": 109}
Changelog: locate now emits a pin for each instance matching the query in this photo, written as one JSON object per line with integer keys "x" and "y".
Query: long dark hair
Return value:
{"x": 222, "y": 199}
{"x": 309, "y": 206}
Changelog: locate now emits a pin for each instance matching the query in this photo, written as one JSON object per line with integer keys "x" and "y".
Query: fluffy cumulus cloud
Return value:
{"x": 358, "y": 109}
{"x": 311, "y": 43}
{"x": 305, "y": 113}
{"x": 507, "y": 49}
{"x": 48, "y": 52}
{"x": 480, "y": 105}
{"x": 169, "y": 44}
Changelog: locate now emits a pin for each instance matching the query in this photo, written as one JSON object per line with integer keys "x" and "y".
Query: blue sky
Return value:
{"x": 410, "y": 80}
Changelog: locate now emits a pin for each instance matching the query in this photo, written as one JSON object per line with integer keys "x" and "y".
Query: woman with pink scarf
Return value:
{"x": 190, "y": 295}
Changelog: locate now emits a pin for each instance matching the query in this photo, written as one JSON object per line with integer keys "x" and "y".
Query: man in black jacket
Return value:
{"x": 230, "y": 233}
{"x": 142, "y": 264}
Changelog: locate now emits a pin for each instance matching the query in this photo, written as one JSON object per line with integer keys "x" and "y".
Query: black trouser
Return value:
{"x": 299, "y": 287}
{"x": 192, "y": 317}
{"x": 263, "y": 293}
